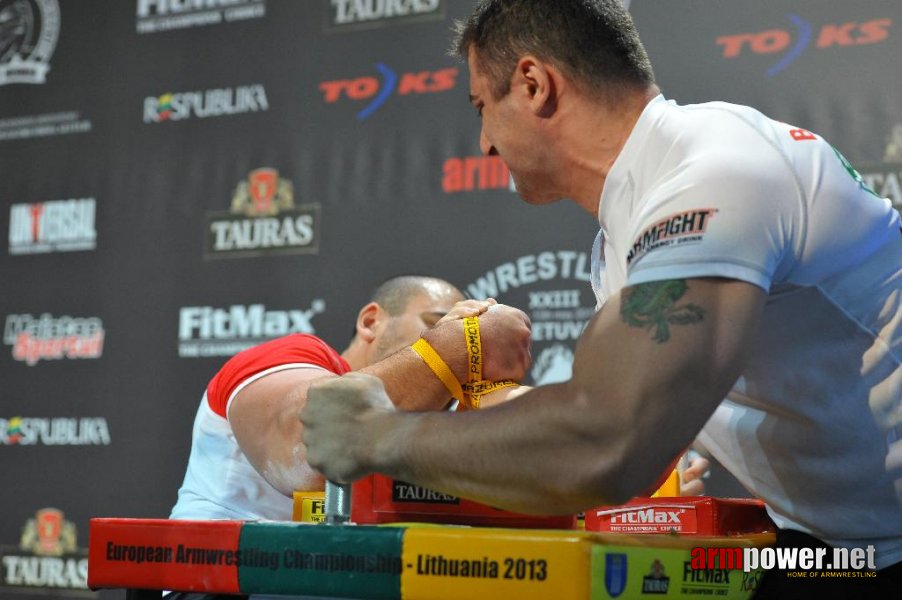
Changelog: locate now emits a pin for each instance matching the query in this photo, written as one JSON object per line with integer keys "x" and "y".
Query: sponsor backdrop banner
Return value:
{"x": 182, "y": 179}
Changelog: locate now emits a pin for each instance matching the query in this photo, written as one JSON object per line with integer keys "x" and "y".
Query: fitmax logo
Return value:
{"x": 803, "y": 35}
{"x": 378, "y": 92}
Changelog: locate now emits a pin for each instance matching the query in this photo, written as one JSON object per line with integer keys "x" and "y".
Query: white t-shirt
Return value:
{"x": 814, "y": 424}
{"x": 220, "y": 483}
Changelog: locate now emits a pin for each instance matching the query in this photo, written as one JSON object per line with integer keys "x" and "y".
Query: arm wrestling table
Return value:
{"x": 408, "y": 561}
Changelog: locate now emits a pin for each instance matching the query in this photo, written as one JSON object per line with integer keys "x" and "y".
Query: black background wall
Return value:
{"x": 180, "y": 179}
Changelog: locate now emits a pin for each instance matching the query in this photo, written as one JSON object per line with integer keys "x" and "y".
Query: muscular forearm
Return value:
{"x": 409, "y": 382}
{"x": 574, "y": 462}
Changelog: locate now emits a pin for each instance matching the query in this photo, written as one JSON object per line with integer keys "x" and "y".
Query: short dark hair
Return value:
{"x": 594, "y": 42}
{"x": 395, "y": 293}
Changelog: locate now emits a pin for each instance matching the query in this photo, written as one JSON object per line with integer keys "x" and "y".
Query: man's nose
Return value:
{"x": 485, "y": 146}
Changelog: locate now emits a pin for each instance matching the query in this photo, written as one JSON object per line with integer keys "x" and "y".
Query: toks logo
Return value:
{"x": 806, "y": 35}
{"x": 369, "y": 88}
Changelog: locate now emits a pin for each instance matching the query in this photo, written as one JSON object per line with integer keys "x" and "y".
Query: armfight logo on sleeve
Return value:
{"x": 28, "y": 33}
{"x": 263, "y": 220}
{"x": 48, "y": 557}
{"x": 682, "y": 228}
{"x": 34, "y": 339}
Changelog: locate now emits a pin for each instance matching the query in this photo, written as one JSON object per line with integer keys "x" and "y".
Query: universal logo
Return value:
{"x": 54, "y": 226}
{"x": 263, "y": 220}
{"x": 344, "y": 15}
{"x": 28, "y": 33}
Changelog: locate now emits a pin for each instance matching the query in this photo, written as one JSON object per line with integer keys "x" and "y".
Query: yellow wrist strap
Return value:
{"x": 439, "y": 367}
{"x": 476, "y": 386}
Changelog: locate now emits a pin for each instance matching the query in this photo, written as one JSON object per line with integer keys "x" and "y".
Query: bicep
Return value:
{"x": 264, "y": 415}
{"x": 662, "y": 355}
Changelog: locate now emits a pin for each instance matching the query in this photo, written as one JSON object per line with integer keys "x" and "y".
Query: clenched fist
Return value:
{"x": 341, "y": 424}
{"x": 506, "y": 338}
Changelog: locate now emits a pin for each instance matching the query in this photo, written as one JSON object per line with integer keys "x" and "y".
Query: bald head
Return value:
{"x": 395, "y": 294}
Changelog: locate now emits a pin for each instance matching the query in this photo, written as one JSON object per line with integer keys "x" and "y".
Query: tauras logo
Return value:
{"x": 263, "y": 219}
{"x": 48, "y": 556}
{"x": 203, "y": 104}
{"x": 53, "y": 226}
{"x": 407, "y": 492}
{"x": 354, "y": 12}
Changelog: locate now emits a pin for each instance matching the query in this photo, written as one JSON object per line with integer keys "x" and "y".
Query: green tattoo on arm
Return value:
{"x": 652, "y": 306}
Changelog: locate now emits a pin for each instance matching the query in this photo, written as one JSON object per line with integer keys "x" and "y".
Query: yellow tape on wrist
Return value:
{"x": 439, "y": 367}
{"x": 476, "y": 386}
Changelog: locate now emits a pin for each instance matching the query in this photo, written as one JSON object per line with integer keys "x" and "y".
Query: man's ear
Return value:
{"x": 368, "y": 319}
{"x": 538, "y": 80}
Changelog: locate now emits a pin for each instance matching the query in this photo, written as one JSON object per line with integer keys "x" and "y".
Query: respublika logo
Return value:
{"x": 354, "y": 14}
{"x": 476, "y": 173}
{"x": 217, "y": 102}
{"x": 154, "y": 16}
{"x": 48, "y": 558}
{"x": 55, "y": 431}
{"x": 209, "y": 331}
{"x": 54, "y": 226}
{"x": 787, "y": 44}
{"x": 28, "y": 33}
{"x": 263, "y": 220}
{"x": 34, "y": 339}
{"x": 376, "y": 92}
